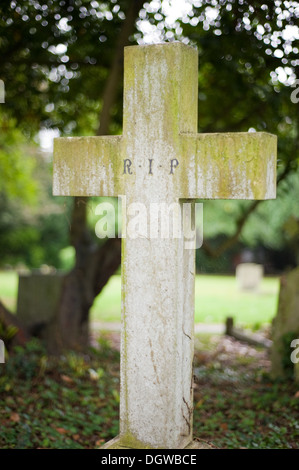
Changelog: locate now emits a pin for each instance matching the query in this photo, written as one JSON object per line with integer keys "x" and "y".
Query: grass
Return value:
{"x": 216, "y": 297}
{"x": 9, "y": 289}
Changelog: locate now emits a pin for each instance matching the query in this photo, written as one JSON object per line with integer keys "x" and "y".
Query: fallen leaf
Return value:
{"x": 76, "y": 437}
{"x": 14, "y": 417}
{"x": 223, "y": 426}
{"x": 199, "y": 403}
{"x": 61, "y": 430}
{"x": 100, "y": 442}
{"x": 67, "y": 379}
{"x": 296, "y": 394}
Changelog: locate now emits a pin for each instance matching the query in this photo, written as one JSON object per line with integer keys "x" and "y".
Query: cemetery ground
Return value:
{"x": 73, "y": 401}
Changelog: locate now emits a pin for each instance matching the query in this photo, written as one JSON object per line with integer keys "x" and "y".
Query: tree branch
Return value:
{"x": 232, "y": 240}
{"x": 112, "y": 82}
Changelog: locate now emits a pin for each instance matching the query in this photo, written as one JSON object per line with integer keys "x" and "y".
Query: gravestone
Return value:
{"x": 161, "y": 158}
{"x": 249, "y": 276}
{"x": 285, "y": 327}
{"x": 38, "y": 297}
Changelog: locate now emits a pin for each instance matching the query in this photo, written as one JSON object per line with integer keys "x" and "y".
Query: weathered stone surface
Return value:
{"x": 249, "y": 276}
{"x": 160, "y": 159}
{"x": 285, "y": 326}
{"x": 238, "y": 165}
{"x": 160, "y": 120}
{"x": 87, "y": 166}
{"x": 157, "y": 274}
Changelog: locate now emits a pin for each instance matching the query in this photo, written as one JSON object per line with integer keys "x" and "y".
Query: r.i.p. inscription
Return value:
{"x": 128, "y": 167}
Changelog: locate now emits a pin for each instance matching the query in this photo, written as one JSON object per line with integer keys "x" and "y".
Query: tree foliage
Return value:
{"x": 57, "y": 55}
{"x": 248, "y": 60}
{"x": 16, "y": 163}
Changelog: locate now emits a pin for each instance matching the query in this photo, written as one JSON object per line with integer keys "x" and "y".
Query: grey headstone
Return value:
{"x": 249, "y": 276}
{"x": 38, "y": 297}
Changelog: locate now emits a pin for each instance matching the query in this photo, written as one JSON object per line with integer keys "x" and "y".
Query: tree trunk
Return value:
{"x": 7, "y": 319}
{"x": 94, "y": 264}
{"x": 70, "y": 329}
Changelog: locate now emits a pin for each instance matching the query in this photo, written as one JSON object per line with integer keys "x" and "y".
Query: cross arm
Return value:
{"x": 87, "y": 166}
{"x": 239, "y": 165}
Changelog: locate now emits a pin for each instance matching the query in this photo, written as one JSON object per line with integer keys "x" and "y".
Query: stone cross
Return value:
{"x": 161, "y": 158}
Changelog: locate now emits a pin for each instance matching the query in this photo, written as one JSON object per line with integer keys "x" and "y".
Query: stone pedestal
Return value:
{"x": 116, "y": 443}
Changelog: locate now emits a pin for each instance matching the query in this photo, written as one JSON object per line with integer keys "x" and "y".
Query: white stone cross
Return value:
{"x": 161, "y": 158}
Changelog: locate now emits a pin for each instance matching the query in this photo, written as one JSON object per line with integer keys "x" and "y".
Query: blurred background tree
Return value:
{"x": 62, "y": 67}
{"x": 32, "y": 225}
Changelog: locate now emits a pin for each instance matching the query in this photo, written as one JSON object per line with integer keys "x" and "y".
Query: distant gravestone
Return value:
{"x": 38, "y": 297}
{"x": 285, "y": 327}
{"x": 160, "y": 158}
{"x": 249, "y": 276}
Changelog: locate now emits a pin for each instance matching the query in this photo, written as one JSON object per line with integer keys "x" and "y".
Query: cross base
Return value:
{"x": 117, "y": 443}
